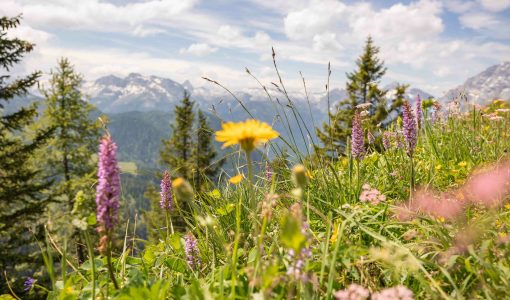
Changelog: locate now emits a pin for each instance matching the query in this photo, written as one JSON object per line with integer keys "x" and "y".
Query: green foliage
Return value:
{"x": 21, "y": 183}
{"x": 362, "y": 87}
{"x": 68, "y": 156}
{"x": 176, "y": 151}
{"x": 349, "y": 241}
{"x": 203, "y": 154}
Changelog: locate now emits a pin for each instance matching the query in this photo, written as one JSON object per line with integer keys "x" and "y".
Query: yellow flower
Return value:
{"x": 178, "y": 182}
{"x": 334, "y": 236}
{"x": 249, "y": 134}
{"x": 507, "y": 206}
{"x": 236, "y": 179}
{"x": 182, "y": 189}
{"x": 462, "y": 164}
{"x": 438, "y": 167}
{"x": 300, "y": 175}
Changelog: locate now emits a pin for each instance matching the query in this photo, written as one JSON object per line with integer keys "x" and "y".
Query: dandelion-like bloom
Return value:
{"x": 409, "y": 124}
{"x": 249, "y": 134}
{"x": 352, "y": 292}
{"x": 386, "y": 140}
{"x": 167, "y": 199}
{"x": 395, "y": 293}
{"x": 358, "y": 143}
{"x": 236, "y": 179}
{"x": 29, "y": 283}
{"x": 108, "y": 187}
{"x": 191, "y": 250}
{"x": 182, "y": 189}
{"x": 418, "y": 111}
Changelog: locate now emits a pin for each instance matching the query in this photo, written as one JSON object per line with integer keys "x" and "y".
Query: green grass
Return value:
{"x": 337, "y": 240}
{"x": 128, "y": 167}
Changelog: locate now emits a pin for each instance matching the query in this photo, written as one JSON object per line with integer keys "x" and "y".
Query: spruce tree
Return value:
{"x": 22, "y": 197}
{"x": 362, "y": 87}
{"x": 69, "y": 153}
{"x": 177, "y": 150}
{"x": 204, "y": 153}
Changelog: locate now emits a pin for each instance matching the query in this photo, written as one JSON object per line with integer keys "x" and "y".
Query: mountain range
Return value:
{"x": 140, "y": 108}
{"x": 493, "y": 83}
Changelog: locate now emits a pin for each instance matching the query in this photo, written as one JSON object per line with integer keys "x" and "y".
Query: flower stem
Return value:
{"x": 92, "y": 262}
{"x": 109, "y": 263}
{"x": 236, "y": 246}
{"x": 412, "y": 178}
{"x": 250, "y": 181}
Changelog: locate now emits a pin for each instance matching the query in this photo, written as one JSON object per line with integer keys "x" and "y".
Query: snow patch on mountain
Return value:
{"x": 491, "y": 84}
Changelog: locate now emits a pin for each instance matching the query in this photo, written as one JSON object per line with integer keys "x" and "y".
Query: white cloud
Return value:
{"x": 442, "y": 71}
{"x": 326, "y": 42}
{"x": 495, "y": 5}
{"x": 143, "y": 31}
{"x": 487, "y": 23}
{"x": 98, "y": 15}
{"x": 31, "y": 35}
{"x": 478, "y": 20}
{"x": 229, "y": 33}
{"x": 459, "y": 6}
{"x": 314, "y": 19}
{"x": 96, "y": 62}
{"x": 198, "y": 49}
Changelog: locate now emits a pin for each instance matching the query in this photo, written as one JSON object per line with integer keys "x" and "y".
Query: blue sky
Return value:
{"x": 433, "y": 45}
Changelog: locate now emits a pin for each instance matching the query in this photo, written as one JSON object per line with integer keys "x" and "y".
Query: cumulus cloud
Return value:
{"x": 314, "y": 19}
{"x": 459, "y": 6}
{"x": 306, "y": 34}
{"x": 134, "y": 18}
{"x": 487, "y": 23}
{"x": 326, "y": 42}
{"x": 495, "y": 5}
{"x": 198, "y": 49}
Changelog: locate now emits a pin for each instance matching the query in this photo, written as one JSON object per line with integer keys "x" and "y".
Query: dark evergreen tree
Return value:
{"x": 177, "y": 150}
{"x": 154, "y": 217}
{"x": 362, "y": 87}
{"x": 22, "y": 198}
{"x": 205, "y": 168}
{"x": 69, "y": 153}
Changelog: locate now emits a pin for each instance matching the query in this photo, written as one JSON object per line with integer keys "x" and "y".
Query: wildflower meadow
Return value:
{"x": 386, "y": 197}
{"x": 422, "y": 218}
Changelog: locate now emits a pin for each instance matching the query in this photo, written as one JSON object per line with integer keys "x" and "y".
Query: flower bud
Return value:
{"x": 182, "y": 189}
{"x": 300, "y": 176}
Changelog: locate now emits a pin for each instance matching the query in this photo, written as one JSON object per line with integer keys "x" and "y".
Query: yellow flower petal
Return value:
{"x": 249, "y": 134}
{"x": 236, "y": 179}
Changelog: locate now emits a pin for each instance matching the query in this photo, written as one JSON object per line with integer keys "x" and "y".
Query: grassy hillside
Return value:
{"x": 338, "y": 228}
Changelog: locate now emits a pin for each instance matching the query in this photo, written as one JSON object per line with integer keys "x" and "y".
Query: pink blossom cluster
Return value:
{"x": 108, "y": 185}
{"x": 493, "y": 117}
{"x": 399, "y": 292}
{"x": 357, "y": 292}
{"x": 371, "y": 195}
{"x": 352, "y": 292}
{"x": 488, "y": 187}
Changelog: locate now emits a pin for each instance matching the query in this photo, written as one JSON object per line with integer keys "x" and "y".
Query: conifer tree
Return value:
{"x": 69, "y": 153}
{"x": 22, "y": 197}
{"x": 204, "y": 153}
{"x": 154, "y": 217}
{"x": 177, "y": 150}
{"x": 362, "y": 87}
